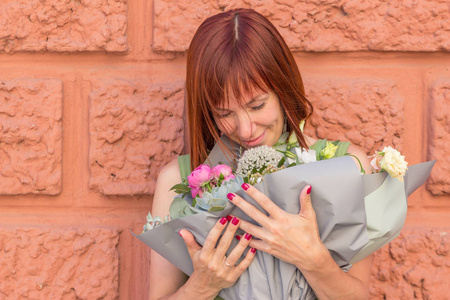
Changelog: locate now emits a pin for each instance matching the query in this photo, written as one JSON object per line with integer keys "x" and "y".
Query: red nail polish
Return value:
{"x": 309, "y": 190}
{"x": 229, "y": 218}
{"x": 179, "y": 232}
{"x": 245, "y": 186}
{"x": 238, "y": 237}
{"x": 230, "y": 196}
{"x": 235, "y": 221}
{"x": 248, "y": 236}
{"x": 253, "y": 250}
{"x": 223, "y": 221}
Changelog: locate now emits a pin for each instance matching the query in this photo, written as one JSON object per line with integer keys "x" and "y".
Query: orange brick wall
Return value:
{"x": 91, "y": 107}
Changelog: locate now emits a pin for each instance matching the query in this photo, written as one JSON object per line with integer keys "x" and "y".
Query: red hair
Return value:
{"x": 237, "y": 51}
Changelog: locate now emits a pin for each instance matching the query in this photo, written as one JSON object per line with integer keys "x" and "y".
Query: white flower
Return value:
{"x": 257, "y": 158}
{"x": 304, "y": 156}
{"x": 394, "y": 163}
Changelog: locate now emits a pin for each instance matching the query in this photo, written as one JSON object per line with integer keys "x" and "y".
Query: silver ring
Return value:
{"x": 228, "y": 264}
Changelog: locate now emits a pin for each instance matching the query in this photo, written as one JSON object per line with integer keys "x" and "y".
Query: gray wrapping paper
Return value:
{"x": 339, "y": 197}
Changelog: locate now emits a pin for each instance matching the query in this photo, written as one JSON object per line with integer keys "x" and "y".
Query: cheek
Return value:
{"x": 224, "y": 126}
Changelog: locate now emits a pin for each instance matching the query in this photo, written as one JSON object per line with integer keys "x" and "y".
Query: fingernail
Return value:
{"x": 235, "y": 221}
{"x": 223, "y": 221}
{"x": 253, "y": 250}
{"x": 179, "y": 232}
{"x": 229, "y": 218}
{"x": 230, "y": 196}
{"x": 245, "y": 186}
{"x": 248, "y": 236}
{"x": 238, "y": 237}
{"x": 309, "y": 190}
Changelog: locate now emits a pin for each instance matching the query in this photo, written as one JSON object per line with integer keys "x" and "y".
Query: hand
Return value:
{"x": 293, "y": 238}
{"x": 213, "y": 271}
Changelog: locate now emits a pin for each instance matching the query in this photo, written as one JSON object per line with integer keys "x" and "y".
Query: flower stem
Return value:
{"x": 360, "y": 165}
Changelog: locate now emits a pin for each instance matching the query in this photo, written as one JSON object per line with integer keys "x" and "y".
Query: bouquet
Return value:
{"x": 349, "y": 227}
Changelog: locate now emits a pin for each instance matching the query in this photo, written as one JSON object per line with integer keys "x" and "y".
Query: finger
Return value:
{"x": 213, "y": 236}
{"x": 260, "y": 245}
{"x": 254, "y": 230}
{"x": 262, "y": 200}
{"x": 192, "y": 246}
{"x": 249, "y": 209}
{"x": 305, "y": 201}
{"x": 226, "y": 239}
{"x": 239, "y": 249}
{"x": 243, "y": 265}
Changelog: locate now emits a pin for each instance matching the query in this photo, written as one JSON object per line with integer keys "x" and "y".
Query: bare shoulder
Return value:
{"x": 171, "y": 171}
{"x": 361, "y": 155}
{"x": 309, "y": 140}
{"x": 167, "y": 178}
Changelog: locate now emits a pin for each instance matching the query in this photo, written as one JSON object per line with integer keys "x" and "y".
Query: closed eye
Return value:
{"x": 258, "y": 107}
{"x": 224, "y": 115}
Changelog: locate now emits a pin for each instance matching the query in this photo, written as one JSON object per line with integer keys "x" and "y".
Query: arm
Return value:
{"x": 279, "y": 236}
{"x": 211, "y": 274}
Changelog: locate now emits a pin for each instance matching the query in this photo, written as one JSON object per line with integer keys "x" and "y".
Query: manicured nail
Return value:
{"x": 223, "y": 221}
{"x": 235, "y": 221}
{"x": 230, "y": 196}
{"x": 229, "y": 218}
{"x": 253, "y": 250}
{"x": 238, "y": 237}
{"x": 248, "y": 236}
{"x": 245, "y": 186}
{"x": 179, "y": 232}
{"x": 309, "y": 190}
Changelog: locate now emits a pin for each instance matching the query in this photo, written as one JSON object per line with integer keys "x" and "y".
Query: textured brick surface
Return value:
{"x": 135, "y": 129}
{"x": 59, "y": 263}
{"x": 30, "y": 136}
{"x": 415, "y": 265}
{"x": 60, "y": 26}
{"x": 439, "y": 136}
{"x": 318, "y": 25}
{"x": 365, "y": 111}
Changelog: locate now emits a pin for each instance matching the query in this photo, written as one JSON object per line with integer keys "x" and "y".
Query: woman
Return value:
{"x": 242, "y": 81}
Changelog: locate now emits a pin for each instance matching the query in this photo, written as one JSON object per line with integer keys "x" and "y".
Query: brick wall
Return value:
{"x": 91, "y": 107}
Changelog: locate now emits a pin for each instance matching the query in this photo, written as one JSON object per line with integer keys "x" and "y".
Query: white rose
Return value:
{"x": 304, "y": 156}
{"x": 394, "y": 163}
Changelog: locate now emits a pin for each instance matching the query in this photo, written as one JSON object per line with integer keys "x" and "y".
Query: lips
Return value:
{"x": 255, "y": 142}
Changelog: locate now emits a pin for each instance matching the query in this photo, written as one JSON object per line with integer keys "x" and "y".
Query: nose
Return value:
{"x": 245, "y": 127}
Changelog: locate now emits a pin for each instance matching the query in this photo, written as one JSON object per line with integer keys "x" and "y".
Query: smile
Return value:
{"x": 255, "y": 142}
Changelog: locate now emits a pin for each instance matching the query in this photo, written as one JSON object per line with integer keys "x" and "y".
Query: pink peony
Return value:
{"x": 200, "y": 176}
{"x": 225, "y": 170}
{"x": 196, "y": 191}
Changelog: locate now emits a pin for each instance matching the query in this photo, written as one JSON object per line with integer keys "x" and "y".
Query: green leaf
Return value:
{"x": 180, "y": 208}
{"x": 342, "y": 150}
{"x": 336, "y": 143}
{"x": 281, "y": 162}
{"x": 180, "y": 187}
{"x": 216, "y": 208}
{"x": 318, "y": 147}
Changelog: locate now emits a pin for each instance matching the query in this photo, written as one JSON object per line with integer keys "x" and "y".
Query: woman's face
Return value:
{"x": 257, "y": 121}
